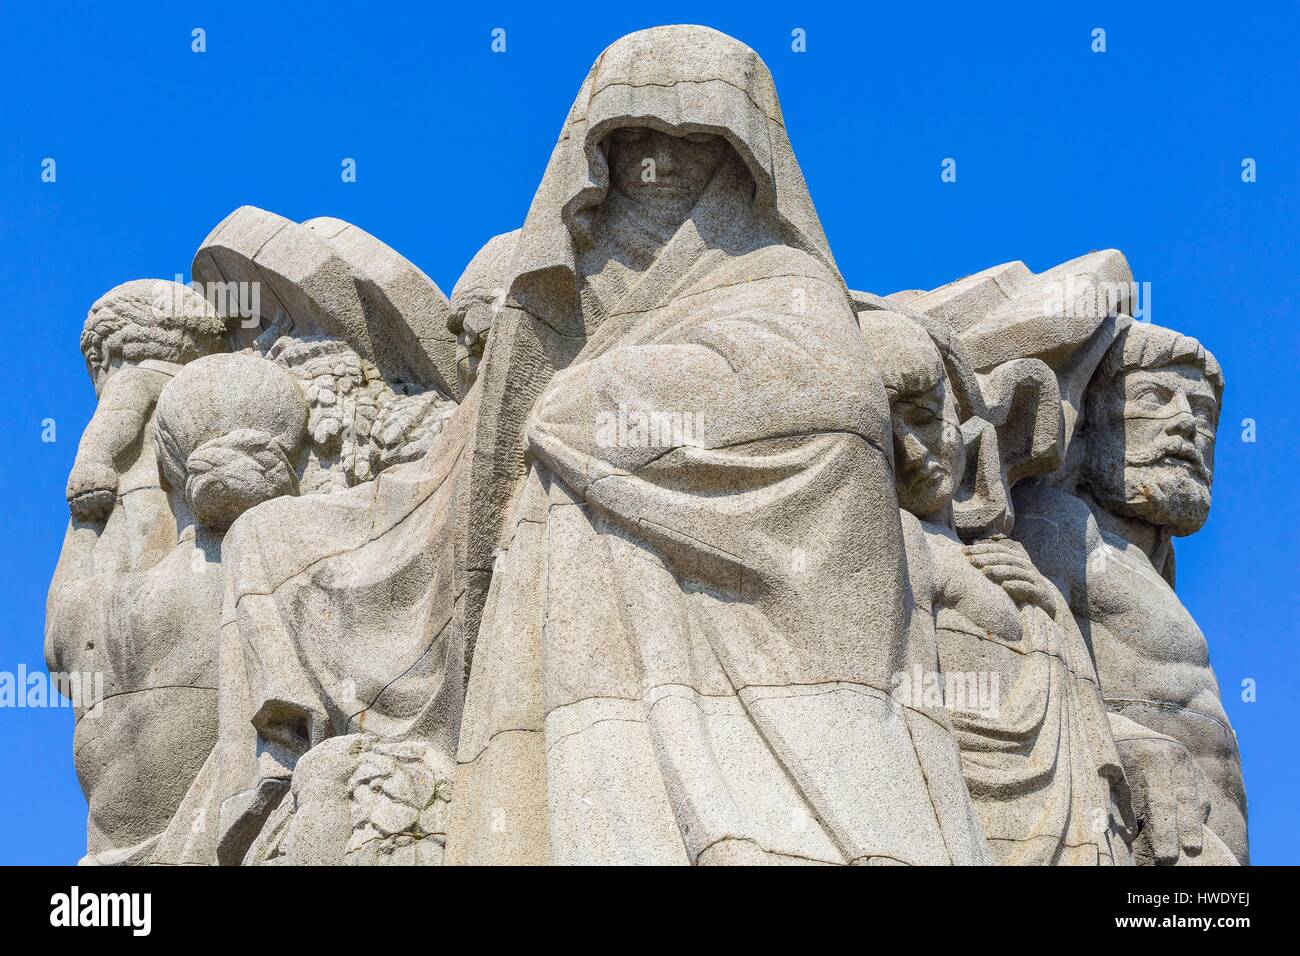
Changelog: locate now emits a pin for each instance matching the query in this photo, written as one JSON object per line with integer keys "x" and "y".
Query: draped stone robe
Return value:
{"x": 1038, "y": 758}
{"x": 342, "y": 614}
{"x": 685, "y": 647}
{"x": 686, "y": 652}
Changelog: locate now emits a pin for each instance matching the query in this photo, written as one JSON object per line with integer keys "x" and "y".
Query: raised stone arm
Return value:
{"x": 126, "y": 404}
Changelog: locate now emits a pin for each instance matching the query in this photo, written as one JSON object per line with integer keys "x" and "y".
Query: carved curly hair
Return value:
{"x": 150, "y": 319}
{"x": 1146, "y": 346}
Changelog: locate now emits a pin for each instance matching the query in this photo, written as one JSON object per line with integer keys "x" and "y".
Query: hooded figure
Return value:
{"x": 698, "y": 596}
{"x": 668, "y": 498}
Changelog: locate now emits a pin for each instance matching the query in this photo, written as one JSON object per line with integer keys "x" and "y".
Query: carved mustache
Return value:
{"x": 1184, "y": 454}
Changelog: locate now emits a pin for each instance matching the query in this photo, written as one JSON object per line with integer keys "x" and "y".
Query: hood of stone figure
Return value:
{"x": 680, "y": 80}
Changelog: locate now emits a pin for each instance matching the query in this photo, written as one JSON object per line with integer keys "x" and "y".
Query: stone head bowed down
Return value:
{"x": 449, "y": 618}
{"x": 1037, "y": 754}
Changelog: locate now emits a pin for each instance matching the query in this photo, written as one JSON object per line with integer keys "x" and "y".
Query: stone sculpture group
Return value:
{"x": 655, "y": 544}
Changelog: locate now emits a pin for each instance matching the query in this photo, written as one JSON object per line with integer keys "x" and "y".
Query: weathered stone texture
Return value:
{"x": 656, "y": 544}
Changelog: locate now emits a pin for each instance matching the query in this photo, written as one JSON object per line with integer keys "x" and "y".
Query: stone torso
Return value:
{"x": 137, "y": 751}
{"x": 140, "y": 605}
{"x": 1152, "y": 659}
{"x": 1148, "y": 647}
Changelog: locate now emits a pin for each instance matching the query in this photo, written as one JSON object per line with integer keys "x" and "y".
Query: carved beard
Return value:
{"x": 1168, "y": 496}
{"x": 1165, "y": 495}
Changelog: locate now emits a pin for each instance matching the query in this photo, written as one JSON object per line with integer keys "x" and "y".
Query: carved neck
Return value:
{"x": 189, "y": 529}
{"x": 1152, "y": 539}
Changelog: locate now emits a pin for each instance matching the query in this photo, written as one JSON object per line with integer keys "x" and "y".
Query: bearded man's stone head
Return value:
{"x": 1152, "y": 410}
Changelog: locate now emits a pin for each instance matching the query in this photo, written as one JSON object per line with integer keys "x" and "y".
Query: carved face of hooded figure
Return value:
{"x": 663, "y": 175}
{"x": 655, "y": 178}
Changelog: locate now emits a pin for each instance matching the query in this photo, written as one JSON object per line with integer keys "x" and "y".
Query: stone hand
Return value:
{"x": 92, "y": 491}
{"x": 1169, "y": 799}
{"x": 1005, "y": 563}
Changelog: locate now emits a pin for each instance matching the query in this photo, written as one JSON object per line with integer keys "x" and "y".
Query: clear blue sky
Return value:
{"x": 1059, "y": 151}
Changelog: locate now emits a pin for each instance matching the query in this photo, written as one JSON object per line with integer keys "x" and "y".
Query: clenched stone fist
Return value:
{"x": 92, "y": 491}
